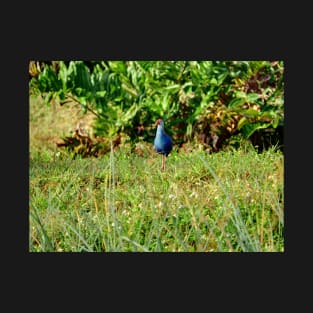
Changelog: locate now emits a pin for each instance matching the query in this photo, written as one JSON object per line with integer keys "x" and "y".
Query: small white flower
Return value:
{"x": 194, "y": 195}
{"x": 125, "y": 212}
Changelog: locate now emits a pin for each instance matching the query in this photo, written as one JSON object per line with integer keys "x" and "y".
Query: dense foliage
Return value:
{"x": 212, "y": 103}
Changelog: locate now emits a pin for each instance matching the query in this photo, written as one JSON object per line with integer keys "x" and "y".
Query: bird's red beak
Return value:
{"x": 158, "y": 122}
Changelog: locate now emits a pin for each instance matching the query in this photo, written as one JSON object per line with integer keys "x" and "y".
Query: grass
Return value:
{"x": 231, "y": 201}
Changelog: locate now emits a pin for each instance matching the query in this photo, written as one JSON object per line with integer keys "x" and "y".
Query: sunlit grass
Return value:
{"x": 228, "y": 201}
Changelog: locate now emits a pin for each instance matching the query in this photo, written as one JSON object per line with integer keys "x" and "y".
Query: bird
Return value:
{"x": 163, "y": 143}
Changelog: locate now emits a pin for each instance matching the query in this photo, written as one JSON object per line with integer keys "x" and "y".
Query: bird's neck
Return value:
{"x": 160, "y": 130}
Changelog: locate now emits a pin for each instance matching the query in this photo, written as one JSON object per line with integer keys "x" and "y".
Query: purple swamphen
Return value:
{"x": 162, "y": 142}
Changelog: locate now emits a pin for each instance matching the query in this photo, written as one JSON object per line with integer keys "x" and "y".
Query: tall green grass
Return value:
{"x": 230, "y": 201}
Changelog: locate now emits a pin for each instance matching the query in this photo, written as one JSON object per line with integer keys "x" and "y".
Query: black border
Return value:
{"x": 261, "y": 276}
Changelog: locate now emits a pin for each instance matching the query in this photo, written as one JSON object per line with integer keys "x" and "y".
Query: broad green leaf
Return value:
{"x": 250, "y": 112}
{"x": 101, "y": 93}
{"x": 118, "y": 99}
{"x": 221, "y": 78}
{"x": 82, "y": 100}
{"x": 129, "y": 89}
{"x": 236, "y": 102}
{"x": 79, "y": 91}
{"x": 252, "y": 97}
{"x": 241, "y": 94}
{"x": 249, "y": 129}
{"x": 213, "y": 81}
{"x": 118, "y": 66}
{"x": 63, "y": 73}
{"x": 165, "y": 102}
{"x": 242, "y": 122}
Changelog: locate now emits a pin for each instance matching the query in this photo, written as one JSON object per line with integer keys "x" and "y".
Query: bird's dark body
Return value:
{"x": 163, "y": 147}
{"x": 162, "y": 143}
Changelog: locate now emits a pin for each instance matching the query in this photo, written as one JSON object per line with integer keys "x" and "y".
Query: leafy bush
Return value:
{"x": 214, "y": 103}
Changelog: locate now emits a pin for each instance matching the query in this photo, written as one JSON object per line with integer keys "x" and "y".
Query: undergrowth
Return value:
{"x": 231, "y": 201}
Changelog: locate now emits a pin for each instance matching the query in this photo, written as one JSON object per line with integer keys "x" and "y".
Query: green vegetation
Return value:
{"x": 215, "y": 103}
{"x": 228, "y": 201}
